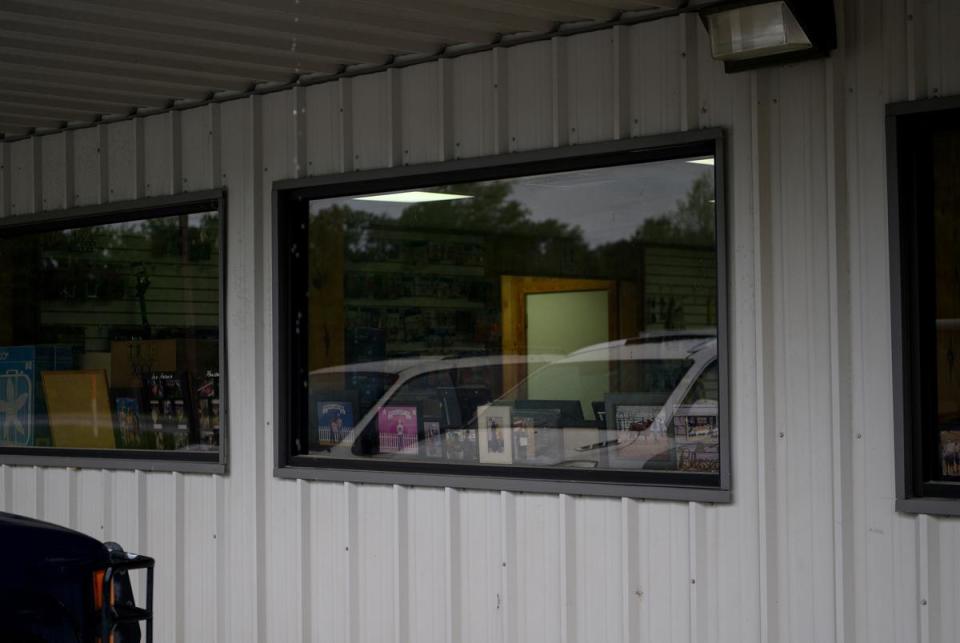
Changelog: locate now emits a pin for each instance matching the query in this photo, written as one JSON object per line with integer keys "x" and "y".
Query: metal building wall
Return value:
{"x": 811, "y": 549}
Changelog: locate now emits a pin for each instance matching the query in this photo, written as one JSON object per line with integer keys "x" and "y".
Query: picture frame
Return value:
{"x": 78, "y": 408}
{"x": 128, "y": 415}
{"x": 333, "y": 416}
{"x": 696, "y": 433}
{"x": 432, "y": 445}
{"x": 205, "y": 391}
{"x": 494, "y": 434}
{"x": 631, "y": 427}
{"x": 399, "y": 427}
{"x": 543, "y": 427}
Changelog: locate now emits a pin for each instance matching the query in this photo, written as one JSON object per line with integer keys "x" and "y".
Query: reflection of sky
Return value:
{"x": 608, "y": 204}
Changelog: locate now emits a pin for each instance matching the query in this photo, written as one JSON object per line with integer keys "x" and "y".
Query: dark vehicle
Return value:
{"x": 60, "y": 585}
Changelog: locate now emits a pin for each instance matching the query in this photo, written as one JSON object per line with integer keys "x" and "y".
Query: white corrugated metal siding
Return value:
{"x": 810, "y": 550}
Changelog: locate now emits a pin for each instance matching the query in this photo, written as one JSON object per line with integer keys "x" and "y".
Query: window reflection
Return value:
{"x": 109, "y": 336}
{"x": 562, "y": 320}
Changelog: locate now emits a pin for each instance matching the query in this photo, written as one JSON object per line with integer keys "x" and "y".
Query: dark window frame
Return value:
{"x": 291, "y": 202}
{"x": 908, "y": 191}
{"x": 118, "y": 212}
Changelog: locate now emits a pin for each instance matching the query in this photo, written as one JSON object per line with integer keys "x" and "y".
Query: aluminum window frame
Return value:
{"x": 118, "y": 212}
{"x": 291, "y": 201}
{"x": 914, "y": 494}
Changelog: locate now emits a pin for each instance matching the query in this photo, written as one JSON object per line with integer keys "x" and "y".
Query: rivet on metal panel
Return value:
{"x": 923, "y": 601}
{"x": 781, "y": 434}
{"x": 859, "y": 435}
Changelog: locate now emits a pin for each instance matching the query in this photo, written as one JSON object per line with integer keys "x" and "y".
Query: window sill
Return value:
{"x": 498, "y": 483}
{"x": 933, "y": 506}
{"x": 120, "y": 463}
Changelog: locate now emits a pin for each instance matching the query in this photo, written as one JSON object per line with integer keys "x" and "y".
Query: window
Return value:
{"x": 547, "y": 321}
{"x": 110, "y": 335}
{"x": 924, "y": 183}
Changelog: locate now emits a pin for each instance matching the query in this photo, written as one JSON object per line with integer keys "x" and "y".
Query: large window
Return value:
{"x": 924, "y": 169}
{"x": 110, "y": 340}
{"x": 550, "y": 323}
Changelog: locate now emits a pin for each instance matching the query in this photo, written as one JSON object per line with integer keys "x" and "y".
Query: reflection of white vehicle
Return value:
{"x": 449, "y": 388}
{"x": 661, "y": 387}
{"x": 669, "y": 379}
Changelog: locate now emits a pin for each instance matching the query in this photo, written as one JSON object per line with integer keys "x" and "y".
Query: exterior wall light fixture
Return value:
{"x": 746, "y": 34}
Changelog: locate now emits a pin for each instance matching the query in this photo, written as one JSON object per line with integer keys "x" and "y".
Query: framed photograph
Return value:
{"x": 950, "y": 453}
{"x": 639, "y": 442}
{"x": 398, "y": 428}
{"x": 541, "y": 427}
{"x": 126, "y": 408}
{"x": 571, "y": 411}
{"x": 206, "y": 408}
{"x": 494, "y": 434}
{"x": 432, "y": 439}
{"x": 460, "y": 445}
{"x": 333, "y": 414}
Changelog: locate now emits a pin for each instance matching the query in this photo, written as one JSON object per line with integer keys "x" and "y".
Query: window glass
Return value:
{"x": 109, "y": 335}
{"x": 565, "y": 320}
{"x": 945, "y": 244}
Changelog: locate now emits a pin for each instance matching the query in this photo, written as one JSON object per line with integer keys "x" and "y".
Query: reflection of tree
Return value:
{"x": 691, "y": 223}
{"x": 513, "y": 242}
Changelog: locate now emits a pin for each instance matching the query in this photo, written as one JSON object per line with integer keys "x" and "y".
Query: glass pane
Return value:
{"x": 560, "y": 320}
{"x": 109, "y": 336}
{"x": 946, "y": 242}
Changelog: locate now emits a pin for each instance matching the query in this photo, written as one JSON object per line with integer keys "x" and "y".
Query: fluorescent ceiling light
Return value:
{"x": 414, "y": 196}
{"x": 706, "y": 161}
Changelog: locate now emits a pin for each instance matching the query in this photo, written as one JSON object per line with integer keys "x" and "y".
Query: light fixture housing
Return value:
{"x": 746, "y": 34}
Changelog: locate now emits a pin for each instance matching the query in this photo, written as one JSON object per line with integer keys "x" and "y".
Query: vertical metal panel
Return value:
{"x": 196, "y": 142}
{"x": 597, "y": 575}
{"x": 86, "y": 166}
{"x": 426, "y": 586}
{"x": 373, "y": 138}
{"x": 324, "y": 116}
{"x": 243, "y": 507}
{"x": 122, "y": 166}
{"x": 656, "y": 65}
{"x": 328, "y": 568}
{"x": 92, "y": 500}
{"x": 282, "y": 502}
{"x": 24, "y": 182}
{"x": 537, "y": 541}
{"x": 421, "y": 133}
{"x": 481, "y": 561}
{"x": 589, "y": 89}
{"x": 54, "y": 168}
{"x": 158, "y": 154}
{"x": 474, "y": 105}
{"x": 59, "y": 498}
{"x": 530, "y": 96}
